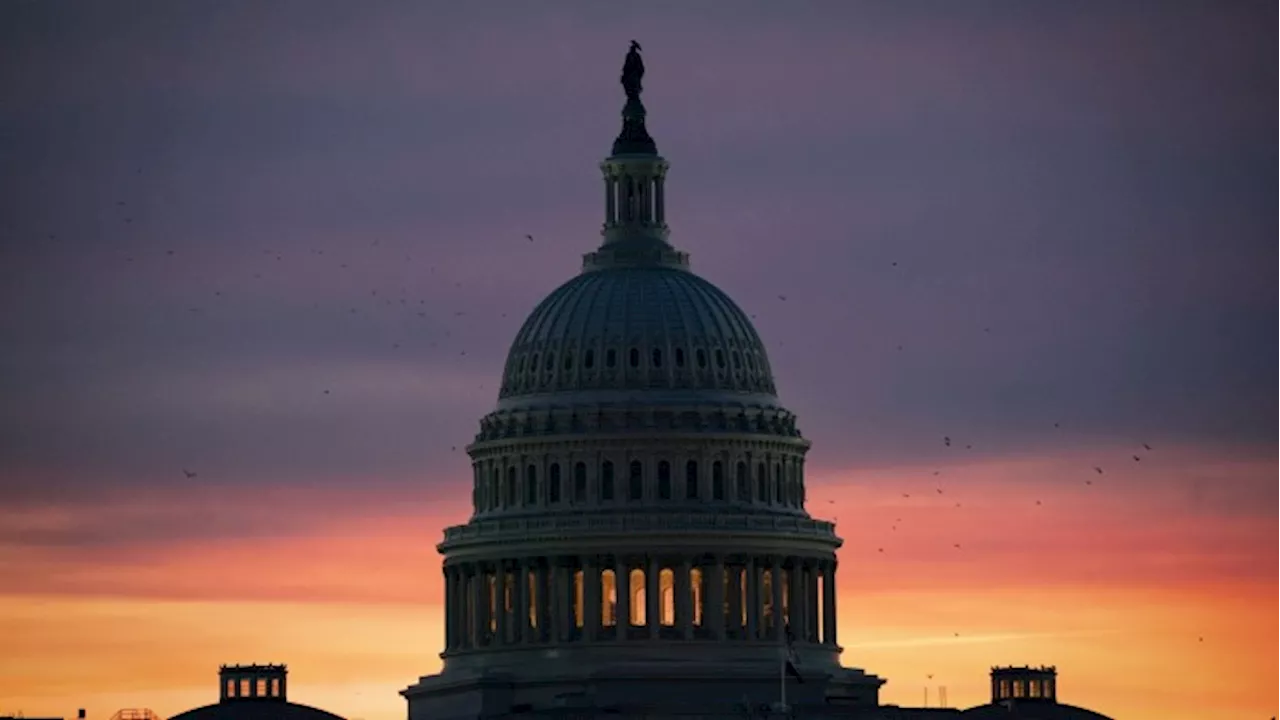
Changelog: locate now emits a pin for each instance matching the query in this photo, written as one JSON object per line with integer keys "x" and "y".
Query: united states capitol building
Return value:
{"x": 639, "y": 545}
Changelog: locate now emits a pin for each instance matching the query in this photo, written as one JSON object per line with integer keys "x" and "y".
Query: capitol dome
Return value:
{"x": 658, "y": 327}
{"x": 638, "y": 497}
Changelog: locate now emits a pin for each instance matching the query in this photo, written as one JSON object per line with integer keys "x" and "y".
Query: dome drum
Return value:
{"x": 659, "y": 414}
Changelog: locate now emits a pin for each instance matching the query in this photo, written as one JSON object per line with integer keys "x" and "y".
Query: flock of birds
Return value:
{"x": 402, "y": 301}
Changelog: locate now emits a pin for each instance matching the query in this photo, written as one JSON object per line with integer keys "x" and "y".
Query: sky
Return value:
{"x": 281, "y": 246}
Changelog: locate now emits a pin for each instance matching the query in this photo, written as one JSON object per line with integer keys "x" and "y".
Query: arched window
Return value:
{"x": 638, "y": 615}
{"x": 679, "y": 357}
{"x": 606, "y": 480}
{"x": 580, "y": 482}
{"x": 701, "y": 356}
{"x": 608, "y": 598}
{"x": 568, "y": 360}
{"x": 589, "y": 359}
{"x": 610, "y": 358}
{"x": 664, "y": 480}
{"x": 635, "y": 482}
{"x": 512, "y": 497}
{"x": 553, "y": 483}
{"x": 691, "y": 480}
{"x": 657, "y": 357}
{"x": 743, "y": 488}
{"x": 695, "y": 592}
{"x": 762, "y": 484}
{"x": 579, "y": 599}
{"x": 531, "y": 485}
{"x": 719, "y": 358}
{"x": 633, "y": 358}
{"x": 667, "y": 593}
{"x": 717, "y": 480}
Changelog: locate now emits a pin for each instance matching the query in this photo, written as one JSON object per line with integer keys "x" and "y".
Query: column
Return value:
{"x": 660, "y": 199}
{"x": 653, "y": 597}
{"x": 591, "y": 598}
{"x": 520, "y": 601}
{"x": 815, "y": 622}
{"x": 753, "y": 599}
{"x": 479, "y": 588}
{"x": 500, "y": 601}
{"x": 609, "y": 201}
{"x": 828, "y": 604}
{"x": 795, "y": 598}
{"x": 622, "y": 586}
{"x": 555, "y": 600}
{"x": 713, "y": 587}
{"x": 450, "y": 610}
{"x": 775, "y": 571}
{"x": 733, "y": 586}
{"x": 684, "y": 599}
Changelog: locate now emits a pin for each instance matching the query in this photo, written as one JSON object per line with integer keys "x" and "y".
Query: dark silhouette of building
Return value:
{"x": 254, "y": 692}
{"x": 1027, "y": 693}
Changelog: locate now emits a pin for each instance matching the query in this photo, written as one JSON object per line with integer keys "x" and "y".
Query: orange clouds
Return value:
{"x": 1151, "y": 588}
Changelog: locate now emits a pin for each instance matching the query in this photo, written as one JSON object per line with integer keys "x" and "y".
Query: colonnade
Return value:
{"x": 624, "y": 598}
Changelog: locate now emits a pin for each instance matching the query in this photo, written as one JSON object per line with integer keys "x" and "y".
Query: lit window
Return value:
{"x": 608, "y": 598}
{"x": 533, "y": 599}
{"x": 637, "y": 618}
{"x": 667, "y": 590}
{"x": 245, "y": 688}
{"x": 695, "y": 595}
{"x": 579, "y": 599}
{"x": 261, "y": 690}
{"x": 231, "y": 688}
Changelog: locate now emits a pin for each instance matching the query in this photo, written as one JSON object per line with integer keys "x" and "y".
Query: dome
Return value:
{"x": 658, "y": 327}
{"x": 260, "y": 710}
{"x": 1030, "y": 710}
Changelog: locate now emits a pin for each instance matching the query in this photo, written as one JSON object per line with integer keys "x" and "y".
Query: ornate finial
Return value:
{"x": 634, "y": 138}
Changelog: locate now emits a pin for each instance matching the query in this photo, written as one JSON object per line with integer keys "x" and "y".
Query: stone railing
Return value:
{"x": 586, "y": 525}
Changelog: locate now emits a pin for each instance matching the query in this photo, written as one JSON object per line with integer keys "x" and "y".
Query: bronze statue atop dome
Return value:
{"x": 633, "y": 71}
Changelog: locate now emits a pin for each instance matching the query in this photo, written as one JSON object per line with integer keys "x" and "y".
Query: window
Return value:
{"x": 695, "y": 593}
{"x": 512, "y": 497}
{"x": 657, "y": 357}
{"x": 638, "y": 615}
{"x": 611, "y": 358}
{"x": 261, "y": 690}
{"x": 633, "y": 358}
{"x": 691, "y": 480}
{"x": 608, "y": 598}
{"x": 579, "y": 599}
{"x": 568, "y": 360}
{"x": 701, "y": 356}
{"x": 743, "y": 488}
{"x": 777, "y": 483}
{"x": 589, "y": 359}
{"x": 762, "y": 484}
{"x": 532, "y": 581}
{"x": 580, "y": 482}
{"x": 719, "y": 358}
{"x": 231, "y": 687}
{"x": 679, "y": 357}
{"x": 664, "y": 480}
{"x": 244, "y": 687}
{"x": 667, "y": 592}
{"x": 553, "y": 483}
{"x": 635, "y": 480}
{"x": 717, "y": 480}
{"x": 606, "y": 480}
{"x": 531, "y": 485}
{"x": 275, "y": 687}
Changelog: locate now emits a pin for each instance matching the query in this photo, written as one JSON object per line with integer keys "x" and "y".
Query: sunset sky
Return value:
{"x": 281, "y": 245}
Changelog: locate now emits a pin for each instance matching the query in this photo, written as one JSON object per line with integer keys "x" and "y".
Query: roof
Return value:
{"x": 256, "y": 710}
{"x": 659, "y": 328}
{"x": 1031, "y": 710}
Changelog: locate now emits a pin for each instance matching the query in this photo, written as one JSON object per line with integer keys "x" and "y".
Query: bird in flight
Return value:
{"x": 946, "y": 440}
{"x": 529, "y": 237}
{"x": 188, "y": 473}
